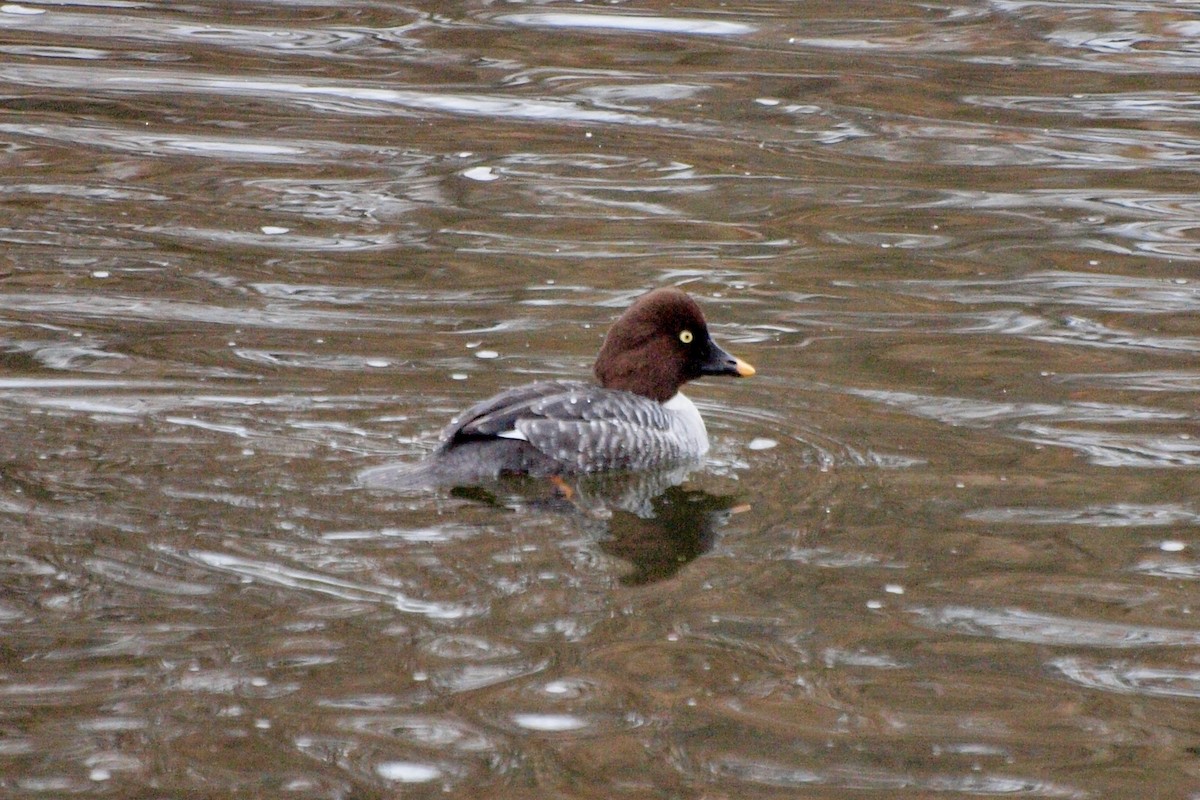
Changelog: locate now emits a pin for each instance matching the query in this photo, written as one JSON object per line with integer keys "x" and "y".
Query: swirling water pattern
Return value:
{"x": 946, "y": 541}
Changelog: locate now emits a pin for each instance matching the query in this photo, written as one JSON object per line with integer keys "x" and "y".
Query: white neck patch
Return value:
{"x": 690, "y": 422}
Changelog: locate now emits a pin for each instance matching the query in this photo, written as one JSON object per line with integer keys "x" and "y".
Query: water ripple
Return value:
{"x": 223, "y": 148}
{"x": 1119, "y": 293}
{"x": 1169, "y": 568}
{"x": 1071, "y": 330}
{"x": 276, "y": 574}
{"x": 1116, "y": 515}
{"x": 1160, "y": 106}
{"x": 85, "y": 306}
{"x": 328, "y": 96}
{"x": 274, "y": 40}
{"x": 1165, "y": 381}
{"x": 966, "y": 411}
{"x": 864, "y": 777}
{"x": 948, "y": 143}
{"x": 430, "y": 731}
{"x": 1141, "y": 203}
{"x": 252, "y": 249}
{"x": 1127, "y": 678}
{"x": 143, "y": 579}
{"x": 1129, "y": 450}
{"x": 1103, "y": 448}
{"x": 1084, "y": 332}
{"x": 1017, "y": 625}
{"x": 628, "y": 22}
{"x": 82, "y": 192}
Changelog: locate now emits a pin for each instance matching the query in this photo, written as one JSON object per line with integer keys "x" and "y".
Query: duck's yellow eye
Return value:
{"x": 685, "y": 337}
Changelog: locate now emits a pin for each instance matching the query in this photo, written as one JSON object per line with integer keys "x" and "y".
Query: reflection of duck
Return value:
{"x": 636, "y": 419}
{"x": 683, "y": 526}
{"x": 645, "y": 518}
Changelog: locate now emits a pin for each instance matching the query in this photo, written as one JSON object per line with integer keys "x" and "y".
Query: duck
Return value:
{"x": 633, "y": 418}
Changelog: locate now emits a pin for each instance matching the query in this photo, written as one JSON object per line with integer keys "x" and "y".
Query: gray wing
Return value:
{"x": 603, "y": 444}
{"x": 498, "y": 415}
{"x": 583, "y": 427}
{"x": 603, "y": 429}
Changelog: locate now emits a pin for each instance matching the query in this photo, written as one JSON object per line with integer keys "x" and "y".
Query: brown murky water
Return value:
{"x": 253, "y": 250}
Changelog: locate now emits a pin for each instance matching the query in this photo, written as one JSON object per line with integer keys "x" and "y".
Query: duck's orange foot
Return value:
{"x": 562, "y": 487}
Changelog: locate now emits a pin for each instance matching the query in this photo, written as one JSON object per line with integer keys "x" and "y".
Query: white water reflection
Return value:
{"x": 1073, "y": 330}
{"x": 309, "y": 581}
{"x": 1132, "y": 450}
{"x": 966, "y": 411}
{"x": 922, "y": 141}
{"x": 1028, "y": 422}
{"x": 222, "y": 148}
{"x": 1165, "y": 381}
{"x": 1116, "y": 515}
{"x": 628, "y": 22}
{"x": 1029, "y": 627}
{"x": 150, "y": 309}
{"x": 1131, "y": 678}
{"x": 338, "y": 98}
{"x": 1169, "y": 568}
{"x": 868, "y": 777}
{"x": 550, "y": 723}
{"x": 1162, "y": 106}
{"x": 1115, "y": 293}
{"x": 313, "y": 41}
{"x": 408, "y": 771}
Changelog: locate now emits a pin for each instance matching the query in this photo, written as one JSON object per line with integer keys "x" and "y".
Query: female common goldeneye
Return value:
{"x": 635, "y": 419}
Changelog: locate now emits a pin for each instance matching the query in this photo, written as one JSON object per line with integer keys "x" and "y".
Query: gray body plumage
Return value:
{"x": 558, "y": 427}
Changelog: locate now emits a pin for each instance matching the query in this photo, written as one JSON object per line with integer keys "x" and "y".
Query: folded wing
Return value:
{"x": 583, "y": 427}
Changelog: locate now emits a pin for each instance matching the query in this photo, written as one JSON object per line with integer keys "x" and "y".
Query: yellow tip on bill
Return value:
{"x": 744, "y": 369}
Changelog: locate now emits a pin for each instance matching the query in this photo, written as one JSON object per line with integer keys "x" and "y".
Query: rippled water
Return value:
{"x": 945, "y": 544}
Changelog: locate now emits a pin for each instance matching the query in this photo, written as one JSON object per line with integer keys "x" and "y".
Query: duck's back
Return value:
{"x": 569, "y": 426}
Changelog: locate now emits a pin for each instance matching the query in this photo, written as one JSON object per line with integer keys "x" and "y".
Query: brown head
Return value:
{"x": 660, "y": 343}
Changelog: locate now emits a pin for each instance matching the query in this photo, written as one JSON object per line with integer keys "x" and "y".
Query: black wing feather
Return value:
{"x": 489, "y": 418}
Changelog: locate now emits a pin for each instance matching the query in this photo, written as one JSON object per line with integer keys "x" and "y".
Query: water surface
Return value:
{"x": 945, "y": 544}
